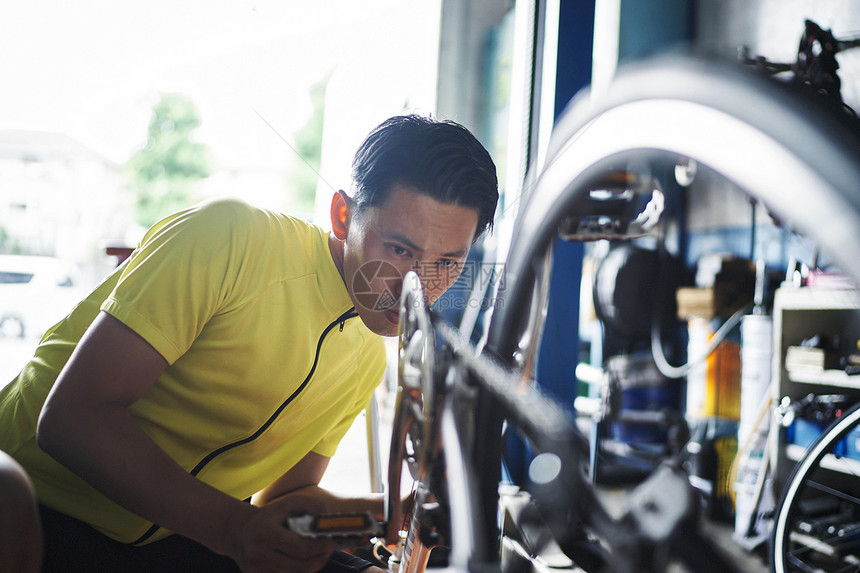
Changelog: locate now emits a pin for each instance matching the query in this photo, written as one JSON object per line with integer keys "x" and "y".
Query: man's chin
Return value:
{"x": 382, "y": 322}
{"x": 384, "y": 329}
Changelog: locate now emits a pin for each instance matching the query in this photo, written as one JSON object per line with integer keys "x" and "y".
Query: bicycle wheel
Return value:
{"x": 817, "y": 527}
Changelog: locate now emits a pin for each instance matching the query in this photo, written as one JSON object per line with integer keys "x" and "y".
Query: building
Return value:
{"x": 60, "y": 198}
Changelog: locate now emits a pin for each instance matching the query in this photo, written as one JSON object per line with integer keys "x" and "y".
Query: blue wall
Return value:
{"x": 559, "y": 350}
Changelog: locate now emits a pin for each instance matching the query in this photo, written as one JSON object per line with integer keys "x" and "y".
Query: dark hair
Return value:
{"x": 440, "y": 159}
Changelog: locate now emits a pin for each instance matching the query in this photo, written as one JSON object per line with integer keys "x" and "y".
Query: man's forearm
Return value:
{"x": 109, "y": 450}
{"x": 336, "y": 502}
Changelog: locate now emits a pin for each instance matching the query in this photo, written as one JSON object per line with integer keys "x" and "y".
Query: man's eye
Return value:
{"x": 399, "y": 251}
{"x": 448, "y": 263}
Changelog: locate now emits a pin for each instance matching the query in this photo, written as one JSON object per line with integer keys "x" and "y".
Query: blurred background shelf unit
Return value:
{"x": 815, "y": 331}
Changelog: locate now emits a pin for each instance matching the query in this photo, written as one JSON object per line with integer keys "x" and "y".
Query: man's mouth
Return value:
{"x": 392, "y": 315}
{"x": 389, "y": 306}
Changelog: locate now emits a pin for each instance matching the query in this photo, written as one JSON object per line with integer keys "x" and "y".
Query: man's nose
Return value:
{"x": 397, "y": 288}
{"x": 428, "y": 284}
{"x": 435, "y": 284}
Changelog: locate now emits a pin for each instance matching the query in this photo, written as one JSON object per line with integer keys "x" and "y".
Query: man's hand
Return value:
{"x": 264, "y": 543}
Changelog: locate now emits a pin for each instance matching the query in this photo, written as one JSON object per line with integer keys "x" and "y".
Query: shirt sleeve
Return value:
{"x": 181, "y": 274}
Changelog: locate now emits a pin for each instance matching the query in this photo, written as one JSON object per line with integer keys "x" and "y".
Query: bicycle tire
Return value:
{"x": 720, "y": 114}
{"x": 817, "y": 524}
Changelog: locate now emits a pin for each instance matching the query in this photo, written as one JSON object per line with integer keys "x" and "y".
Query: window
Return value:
{"x": 11, "y": 277}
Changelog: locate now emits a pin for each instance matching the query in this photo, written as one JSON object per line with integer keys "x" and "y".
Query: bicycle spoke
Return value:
{"x": 800, "y": 565}
{"x": 834, "y": 492}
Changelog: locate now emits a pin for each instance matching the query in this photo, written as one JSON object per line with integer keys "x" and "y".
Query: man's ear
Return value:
{"x": 341, "y": 206}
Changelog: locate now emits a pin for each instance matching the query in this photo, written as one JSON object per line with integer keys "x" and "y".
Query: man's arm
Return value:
{"x": 304, "y": 477}
{"x": 85, "y": 424}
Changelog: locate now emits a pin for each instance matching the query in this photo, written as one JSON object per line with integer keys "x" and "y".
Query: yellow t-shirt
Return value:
{"x": 267, "y": 360}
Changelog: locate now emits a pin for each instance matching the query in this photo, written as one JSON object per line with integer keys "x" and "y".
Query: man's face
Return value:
{"x": 411, "y": 232}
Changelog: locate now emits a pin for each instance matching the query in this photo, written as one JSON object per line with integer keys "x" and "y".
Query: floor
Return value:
{"x": 720, "y": 533}
{"x": 744, "y": 560}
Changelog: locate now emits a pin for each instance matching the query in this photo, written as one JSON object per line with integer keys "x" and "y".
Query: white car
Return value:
{"x": 35, "y": 293}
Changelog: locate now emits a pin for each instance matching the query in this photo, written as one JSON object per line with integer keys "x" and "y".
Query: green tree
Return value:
{"x": 308, "y": 146}
{"x": 164, "y": 171}
{"x": 8, "y": 243}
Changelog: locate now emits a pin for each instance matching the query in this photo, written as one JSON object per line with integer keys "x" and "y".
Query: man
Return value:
{"x": 227, "y": 358}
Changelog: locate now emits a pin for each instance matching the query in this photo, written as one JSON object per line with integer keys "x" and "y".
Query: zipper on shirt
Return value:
{"x": 341, "y": 321}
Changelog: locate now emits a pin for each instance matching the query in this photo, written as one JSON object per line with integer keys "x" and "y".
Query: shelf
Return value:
{"x": 825, "y": 377}
{"x": 806, "y": 298}
{"x": 798, "y": 314}
{"x": 841, "y": 464}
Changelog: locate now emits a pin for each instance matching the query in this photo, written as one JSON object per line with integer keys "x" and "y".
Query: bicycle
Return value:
{"x": 460, "y": 397}
{"x": 817, "y": 524}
